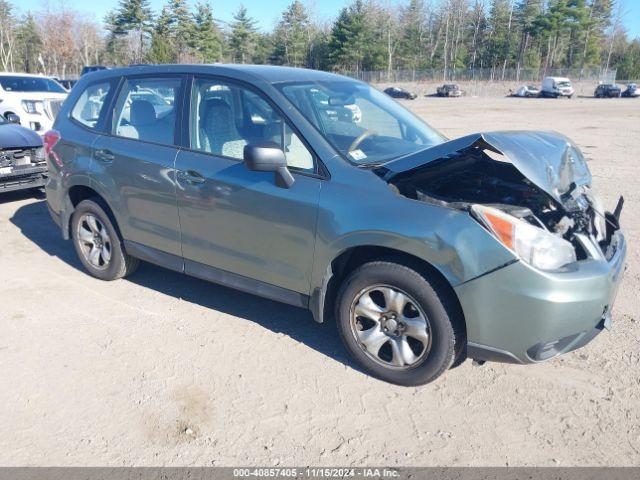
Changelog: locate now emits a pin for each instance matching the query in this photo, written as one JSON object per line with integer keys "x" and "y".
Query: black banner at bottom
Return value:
{"x": 230, "y": 473}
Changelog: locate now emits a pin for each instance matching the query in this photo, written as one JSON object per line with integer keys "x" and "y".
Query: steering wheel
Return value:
{"x": 360, "y": 138}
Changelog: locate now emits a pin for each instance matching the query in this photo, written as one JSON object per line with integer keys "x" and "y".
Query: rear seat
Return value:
{"x": 144, "y": 124}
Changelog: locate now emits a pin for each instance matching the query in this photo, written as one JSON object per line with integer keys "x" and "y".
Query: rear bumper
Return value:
{"x": 520, "y": 315}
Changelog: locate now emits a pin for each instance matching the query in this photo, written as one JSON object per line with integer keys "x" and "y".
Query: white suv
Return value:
{"x": 34, "y": 98}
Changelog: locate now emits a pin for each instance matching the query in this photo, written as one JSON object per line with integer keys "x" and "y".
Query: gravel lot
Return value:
{"x": 162, "y": 369}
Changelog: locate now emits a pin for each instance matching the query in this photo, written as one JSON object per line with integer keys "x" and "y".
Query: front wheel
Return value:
{"x": 397, "y": 324}
{"x": 98, "y": 243}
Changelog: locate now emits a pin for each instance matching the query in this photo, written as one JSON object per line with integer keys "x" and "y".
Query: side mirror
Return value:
{"x": 268, "y": 157}
{"x": 13, "y": 118}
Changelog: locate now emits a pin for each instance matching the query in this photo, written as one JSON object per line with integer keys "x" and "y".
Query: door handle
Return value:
{"x": 191, "y": 176}
{"x": 104, "y": 155}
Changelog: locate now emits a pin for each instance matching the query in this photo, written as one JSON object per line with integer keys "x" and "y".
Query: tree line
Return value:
{"x": 367, "y": 35}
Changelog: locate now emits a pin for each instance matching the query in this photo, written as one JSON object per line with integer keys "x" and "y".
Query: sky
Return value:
{"x": 266, "y": 12}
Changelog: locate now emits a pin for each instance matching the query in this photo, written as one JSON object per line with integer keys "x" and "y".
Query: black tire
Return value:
{"x": 120, "y": 264}
{"x": 438, "y": 304}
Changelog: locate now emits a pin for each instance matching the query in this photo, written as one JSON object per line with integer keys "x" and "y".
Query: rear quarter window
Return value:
{"x": 90, "y": 107}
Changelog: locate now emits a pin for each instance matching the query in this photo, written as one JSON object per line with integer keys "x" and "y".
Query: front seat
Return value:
{"x": 218, "y": 131}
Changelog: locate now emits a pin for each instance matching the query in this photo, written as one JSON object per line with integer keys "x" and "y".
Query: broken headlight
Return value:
{"x": 536, "y": 246}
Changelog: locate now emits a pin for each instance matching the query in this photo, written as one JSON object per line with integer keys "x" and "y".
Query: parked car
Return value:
{"x": 607, "y": 90}
{"x": 397, "y": 92}
{"x": 427, "y": 250}
{"x": 92, "y": 68}
{"x": 22, "y": 162}
{"x": 449, "y": 90}
{"x": 33, "y": 98}
{"x": 527, "y": 91}
{"x": 632, "y": 91}
{"x": 555, "y": 87}
{"x": 335, "y": 110}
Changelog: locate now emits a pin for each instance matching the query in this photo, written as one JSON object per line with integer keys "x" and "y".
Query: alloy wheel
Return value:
{"x": 94, "y": 241}
{"x": 390, "y": 327}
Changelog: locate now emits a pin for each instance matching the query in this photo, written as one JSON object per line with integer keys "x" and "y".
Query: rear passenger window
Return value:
{"x": 88, "y": 108}
{"x": 146, "y": 110}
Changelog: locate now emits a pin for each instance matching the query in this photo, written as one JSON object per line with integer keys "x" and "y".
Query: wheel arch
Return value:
{"x": 76, "y": 194}
{"x": 347, "y": 260}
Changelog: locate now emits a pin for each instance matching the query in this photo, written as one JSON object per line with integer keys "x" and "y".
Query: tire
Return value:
{"x": 92, "y": 229}
{"x": 430, "y": 355}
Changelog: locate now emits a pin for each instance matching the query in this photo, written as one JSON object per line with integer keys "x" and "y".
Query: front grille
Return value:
{"x": 53, "y": 108}
{"x": 19, "y": 158}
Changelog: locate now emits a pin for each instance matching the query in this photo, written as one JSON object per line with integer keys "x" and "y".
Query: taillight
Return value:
{"x": 51, "y": 138}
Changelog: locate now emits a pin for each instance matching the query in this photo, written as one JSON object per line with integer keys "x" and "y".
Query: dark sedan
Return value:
{"x": 22, "y": 162}
{"x": 397, "y": 92}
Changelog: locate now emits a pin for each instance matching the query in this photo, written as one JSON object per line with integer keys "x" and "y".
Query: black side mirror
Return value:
{"x": 13, "y": 118}
{"x": 269, "y": 157}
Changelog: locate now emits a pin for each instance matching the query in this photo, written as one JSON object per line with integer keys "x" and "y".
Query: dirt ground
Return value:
{"x": 162, "y": 369}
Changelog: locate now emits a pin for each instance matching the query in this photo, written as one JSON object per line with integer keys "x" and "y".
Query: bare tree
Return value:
{"x": 7, "y": 35}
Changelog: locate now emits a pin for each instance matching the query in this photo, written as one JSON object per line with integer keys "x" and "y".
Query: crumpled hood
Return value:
{"x": 16, "y": 136}
{"x": 548, "y": 159}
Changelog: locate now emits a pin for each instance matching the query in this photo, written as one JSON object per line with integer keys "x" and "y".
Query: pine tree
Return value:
{"x": 292, "y": 37}
{"x": 348, "y": 38}
{"x": 242, "y": 41}
{"x": 207, "y": 39}
{"x": 181, "y": 28}
{"x": 413, "y": 20}
{"x": 29, "y": 43}
{"x": 133, "y": 16}
{"x": 161, "y": 50}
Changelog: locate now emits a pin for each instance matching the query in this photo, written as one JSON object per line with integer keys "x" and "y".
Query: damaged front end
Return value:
{"x": 22, "y": 168}
{"x": 531, "y": 190}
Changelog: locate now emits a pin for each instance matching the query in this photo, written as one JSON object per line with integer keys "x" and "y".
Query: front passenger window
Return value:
{"x": 225, "y": 118}
{"x": 146, "y": 110}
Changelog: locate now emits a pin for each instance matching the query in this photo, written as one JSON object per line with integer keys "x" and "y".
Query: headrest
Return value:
{"x": 142, "y": 113}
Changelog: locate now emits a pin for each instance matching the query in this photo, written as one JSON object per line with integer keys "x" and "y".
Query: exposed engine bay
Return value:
{"x": 479, "y": 174}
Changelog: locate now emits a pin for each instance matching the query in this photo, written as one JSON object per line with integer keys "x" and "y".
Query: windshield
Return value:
{"x": 564, "y": 84}
{"x": 363, "y": 124}
{"x": 30, "y": 84}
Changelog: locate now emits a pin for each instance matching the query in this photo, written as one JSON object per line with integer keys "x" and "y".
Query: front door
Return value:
{"x": 238, "y": 221}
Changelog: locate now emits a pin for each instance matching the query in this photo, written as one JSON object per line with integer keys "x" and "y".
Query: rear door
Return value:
{"x": 238, "y": 221}
{"x": 86, "y": 123}
{"x": 135, "y": 164}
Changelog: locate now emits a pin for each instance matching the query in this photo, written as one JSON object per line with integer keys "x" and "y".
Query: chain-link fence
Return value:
{"x": 484, "y": 75}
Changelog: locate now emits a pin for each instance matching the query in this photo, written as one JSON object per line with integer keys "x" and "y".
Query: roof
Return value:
{"x": 266, "y": 73}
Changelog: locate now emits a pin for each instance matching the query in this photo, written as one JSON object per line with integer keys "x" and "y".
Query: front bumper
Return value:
{"x": 518, "y": 314}
{"x": 22, "y": 178}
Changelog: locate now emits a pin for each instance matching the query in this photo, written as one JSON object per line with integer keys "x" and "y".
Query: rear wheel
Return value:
{"x": 398, "y": 325}
{"x": 98, "y": 243}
